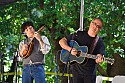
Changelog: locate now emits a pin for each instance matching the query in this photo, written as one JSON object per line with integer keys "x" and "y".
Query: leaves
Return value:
{"x": 61, "y": 17}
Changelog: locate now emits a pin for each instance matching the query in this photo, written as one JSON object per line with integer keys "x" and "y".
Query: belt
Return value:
{"x": 33, "y": 64}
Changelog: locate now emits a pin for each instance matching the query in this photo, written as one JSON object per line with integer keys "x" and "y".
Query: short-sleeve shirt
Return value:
{"x": 83, "y": 39}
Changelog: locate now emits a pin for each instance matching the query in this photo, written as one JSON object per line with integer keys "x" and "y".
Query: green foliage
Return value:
{"x": 63, "y": 17}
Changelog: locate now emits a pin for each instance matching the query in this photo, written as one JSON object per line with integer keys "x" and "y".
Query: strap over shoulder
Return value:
{"x": 94, "y": 44}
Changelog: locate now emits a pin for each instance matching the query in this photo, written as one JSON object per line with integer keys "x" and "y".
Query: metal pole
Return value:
{"x": 81, "y": 15}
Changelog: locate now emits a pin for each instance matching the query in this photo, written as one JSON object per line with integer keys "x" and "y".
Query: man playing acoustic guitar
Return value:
{"x": 32, "y": 50}
{"x": 85, "y": 72}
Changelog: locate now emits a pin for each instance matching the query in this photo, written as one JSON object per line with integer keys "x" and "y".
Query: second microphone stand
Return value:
{"x": 68, "y": 63}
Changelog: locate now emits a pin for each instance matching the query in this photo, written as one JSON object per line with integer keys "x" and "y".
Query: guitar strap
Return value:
{"x": 94, "y": 44}
{"x": 73, "y": 37}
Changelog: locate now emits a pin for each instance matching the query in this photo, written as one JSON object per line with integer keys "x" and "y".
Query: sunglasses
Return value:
{"x": 99, "y": 27}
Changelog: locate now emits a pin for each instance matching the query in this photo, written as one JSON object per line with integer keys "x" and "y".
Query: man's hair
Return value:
{"x": 25, "y": 24}
{"x": 98, "y": 18}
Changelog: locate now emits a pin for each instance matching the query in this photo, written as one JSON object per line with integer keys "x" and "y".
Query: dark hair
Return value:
{"x": 25, "y": 24}
{"x": 98, "y": 18}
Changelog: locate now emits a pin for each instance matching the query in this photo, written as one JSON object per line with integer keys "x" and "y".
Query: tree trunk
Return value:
{"x": 41, "y": 4}
{"x": 117, "y": 68}
{"x": 6, "y": 2}
{"x": 100, "y": 69}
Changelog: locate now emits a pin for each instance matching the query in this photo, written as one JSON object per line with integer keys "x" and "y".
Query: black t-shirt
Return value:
{"x": 83, "y": 39}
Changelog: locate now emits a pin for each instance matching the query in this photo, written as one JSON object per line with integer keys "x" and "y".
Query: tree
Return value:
{"x": 61, "y": 18}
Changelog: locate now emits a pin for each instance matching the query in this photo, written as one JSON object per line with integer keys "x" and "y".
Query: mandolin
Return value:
{"x": 26, "y": 53}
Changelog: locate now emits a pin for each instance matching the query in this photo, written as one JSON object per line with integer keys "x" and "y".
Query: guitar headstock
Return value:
{"x": 109, "y": 60}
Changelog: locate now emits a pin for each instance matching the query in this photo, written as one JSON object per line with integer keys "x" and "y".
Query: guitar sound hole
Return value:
{"x": 78, "y": 53}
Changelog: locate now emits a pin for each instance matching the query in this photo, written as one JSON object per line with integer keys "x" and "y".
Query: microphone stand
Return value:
{"x": 68, "y": 68}
{"x": 2, "y": 67}
{"x": 57, "y": 74}
{"x": 17, "y": 60}
{"x": 16, "y": 66}
{"x": 80, "y": 29}
{"x": 68, "y": 63}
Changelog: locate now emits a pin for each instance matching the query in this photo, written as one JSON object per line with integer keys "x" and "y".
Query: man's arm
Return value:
{"x": 44, "y": 43}
{"x": 45, "y": 47}
{"x": 63, "y": 43}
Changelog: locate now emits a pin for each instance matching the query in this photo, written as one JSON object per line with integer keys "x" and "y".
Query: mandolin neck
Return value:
{"x": 40, "y": 29}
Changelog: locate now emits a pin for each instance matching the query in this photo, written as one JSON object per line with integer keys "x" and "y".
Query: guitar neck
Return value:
{"x": 91, "y": 56}
{"x": 108, "y": 60}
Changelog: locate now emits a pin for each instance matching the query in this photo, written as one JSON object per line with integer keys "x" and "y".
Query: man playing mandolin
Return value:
{"x": 85, "y": 72}
{"x": 33, "y": 50}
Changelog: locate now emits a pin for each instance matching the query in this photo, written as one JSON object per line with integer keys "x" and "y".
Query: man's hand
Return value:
{"x": 73, "y": 51}
{"x": 24, "y": 48}
{"x": 99, "y": 58}
{"x": 37, "y": 36}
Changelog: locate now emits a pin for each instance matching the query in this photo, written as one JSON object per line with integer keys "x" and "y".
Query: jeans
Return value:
{"x": 34, "y": 71}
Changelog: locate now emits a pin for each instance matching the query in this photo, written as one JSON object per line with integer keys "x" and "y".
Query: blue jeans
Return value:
{"x": 34, "y": 71}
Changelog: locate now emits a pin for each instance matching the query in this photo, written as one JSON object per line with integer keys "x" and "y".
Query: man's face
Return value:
{"x": 95, "y": 26}
{"x": 29, "y": 31}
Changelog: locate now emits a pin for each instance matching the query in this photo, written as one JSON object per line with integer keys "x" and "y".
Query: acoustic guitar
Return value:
{"x": 81, "y": 54}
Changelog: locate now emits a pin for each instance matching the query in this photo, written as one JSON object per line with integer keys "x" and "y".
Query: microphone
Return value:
{"x": 1, "y": 55}
{"x": 23, "y": 33}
